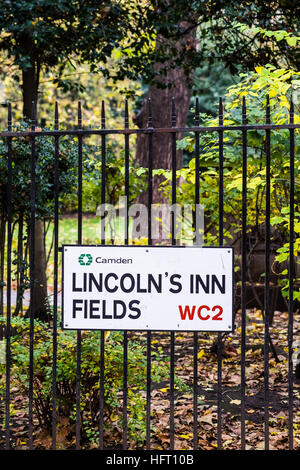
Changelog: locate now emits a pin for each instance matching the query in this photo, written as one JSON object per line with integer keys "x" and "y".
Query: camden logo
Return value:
{"x": 85, "y": 259}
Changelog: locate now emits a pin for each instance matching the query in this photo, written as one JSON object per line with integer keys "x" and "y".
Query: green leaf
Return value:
{"x": 282, "y": 257}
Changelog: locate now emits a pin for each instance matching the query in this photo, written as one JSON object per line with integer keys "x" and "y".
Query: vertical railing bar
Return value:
{"x": 126, "y": 126}
{"x": 79, "y": 196}
{"x": 103, "y": 171}
{"x": 150, "y": 173}
{"x": 173, "y": 235}
{"x": 54, "y": 331}
{"x": 32, "y": 266}
{"x": 102, "y": 334}
{"x": 102, "y": 378}
{"x": 221, "y": 170}
{"x": 267, "y": 273}
{"x": 125, "y": 344}
{"x": 173, "y": 124}
{"x": 8, "y": 283}
{"x": 172, "y": 367}
{"x": 2, "y": 262}
{"x": 149, "y": 334}
{"x": 195, "y": 340}
{"x": 195, "y": 391}
{"x": 244, "y": 271}
{"x": 148, "y": 404}
{"x": 221, "y": 208}
{"x": 291, "y": 277}
{"x": 79, "y": 242}
{"x": 125, "y": 388}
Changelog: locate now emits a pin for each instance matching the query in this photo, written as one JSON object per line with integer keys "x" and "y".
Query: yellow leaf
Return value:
{"x": 272, "y": 93}
{"x": 186, "y": 436}
{"x": 201, "y": 353}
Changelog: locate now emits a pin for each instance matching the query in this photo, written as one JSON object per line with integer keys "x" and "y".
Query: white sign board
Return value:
{"x": 147, "y": 288}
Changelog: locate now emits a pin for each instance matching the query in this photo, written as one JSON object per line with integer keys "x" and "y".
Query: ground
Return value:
{"x": 207, "y": 395}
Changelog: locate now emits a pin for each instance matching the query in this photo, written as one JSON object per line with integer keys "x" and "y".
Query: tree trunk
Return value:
{"x": 29, "y": 88}
{"x": 161, "y": 103}
{"x": 40, "y": 287}
{"x": 176, "y": 84}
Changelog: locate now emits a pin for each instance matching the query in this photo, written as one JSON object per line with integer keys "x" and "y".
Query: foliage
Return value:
{"x": 278, "y": 35}
{"x": 90, "y": 382}
{"x": 217, "y": 37}
{"x": 278, "y": 84}
{"x": 114, "y": 179}
{"x": 207, "y": 418}
{"x": 93, "y": 29}
{"x": 44, "y": 35}
{"x": 90, "y": 89}
{"x": 44, "y": 171}
{"x": 210, "y": 81}
{"x": 282, "y": 221}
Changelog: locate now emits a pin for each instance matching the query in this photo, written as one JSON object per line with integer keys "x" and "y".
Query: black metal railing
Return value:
{"x": 80, "y": 134}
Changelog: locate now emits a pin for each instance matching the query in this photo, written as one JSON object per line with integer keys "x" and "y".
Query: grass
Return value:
{"x": 68, "y": 234}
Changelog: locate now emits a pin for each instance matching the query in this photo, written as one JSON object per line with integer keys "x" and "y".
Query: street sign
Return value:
{"x": 147, "y": 288}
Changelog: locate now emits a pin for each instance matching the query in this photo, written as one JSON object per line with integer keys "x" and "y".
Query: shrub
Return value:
{"x": 279, "y": 85}
{"x": 90, "y": 379}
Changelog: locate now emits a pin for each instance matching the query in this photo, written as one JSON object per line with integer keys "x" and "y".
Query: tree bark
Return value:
{"x": 29, "y": 91}
{"x": 40, "y": 287}
{"x": 161, "y": 102}
{"x": 30, "y": 95}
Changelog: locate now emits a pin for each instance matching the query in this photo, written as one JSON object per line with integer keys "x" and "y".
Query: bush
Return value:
{"x": 278, "y": 84}
{"x": 114, "y": 179}
{"x": 44, "y": 169}
{"x": 90, "y": 380}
